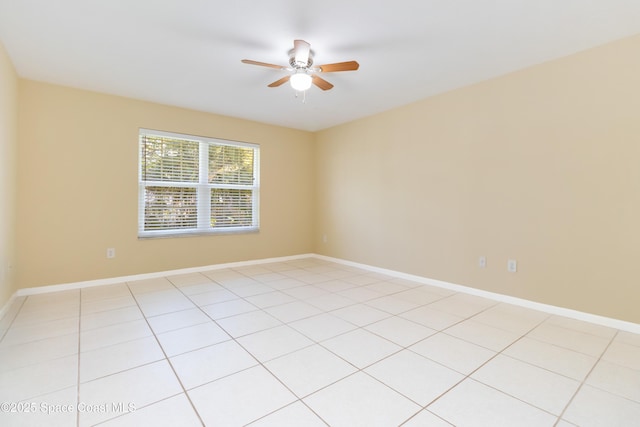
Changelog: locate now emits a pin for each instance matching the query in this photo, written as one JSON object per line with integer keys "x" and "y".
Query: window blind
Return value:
{"x": 196, "y": 185}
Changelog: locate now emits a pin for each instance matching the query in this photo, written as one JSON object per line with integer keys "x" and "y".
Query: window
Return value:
{"x": 194, "y": 185}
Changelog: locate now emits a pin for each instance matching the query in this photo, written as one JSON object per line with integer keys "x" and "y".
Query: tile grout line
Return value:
{"x": 184, "y": 390}
{"x": 583, "y": 382}
{"x": 299, "y": 399}
{"x": 356, "y": 303}
{"x": 144, "y": 364}
{"x": 402, "y": 348}
{"x": 586, "y": 377}
{"x": 465, "y": 376}
{"x": 110, "y": 374}
{"x": 363, "y": 327}
{"x": 18, "y": 311}
{"x": 15, "y": 316}
{"x": 314, "y": 342}
{"x": 468, "y": 376}
{"x": 357, "y": 326}
{"x": 259, "y": 363}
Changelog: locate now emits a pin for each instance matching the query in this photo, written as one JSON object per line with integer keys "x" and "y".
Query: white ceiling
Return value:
{"x": 187, "y": 52}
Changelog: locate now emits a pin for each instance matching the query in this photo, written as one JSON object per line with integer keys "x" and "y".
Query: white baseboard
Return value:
{"x": 7, "y": 305}
{"x": 154, "y": 275}
{"x": 546, "y": 308}
{"x": 551, "y": 309}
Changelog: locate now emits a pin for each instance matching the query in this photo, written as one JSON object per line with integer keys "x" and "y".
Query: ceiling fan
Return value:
{"x": 301, "y": 69}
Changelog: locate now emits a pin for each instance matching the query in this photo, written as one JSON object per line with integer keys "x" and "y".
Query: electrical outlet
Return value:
{"x": 482, "y": 262}
{"x": 111, "y": 253}
{"x": 324, "y": 238}
{"x": 512, "y": 266}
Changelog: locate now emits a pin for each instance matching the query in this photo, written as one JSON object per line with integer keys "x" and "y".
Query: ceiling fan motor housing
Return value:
{"x": 297, "y": 65}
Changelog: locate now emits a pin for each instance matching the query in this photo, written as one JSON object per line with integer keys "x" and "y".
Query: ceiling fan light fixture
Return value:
{"x": 300, "y": 81}
{"x": 302, "y": 74}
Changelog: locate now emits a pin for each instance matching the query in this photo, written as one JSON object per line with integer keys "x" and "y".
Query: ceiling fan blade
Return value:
{"x": 339, "y": 66}
{"x": 302, "y": 49}
{"x": 263, "y": 64}
{"x": 280, "y": 81}
{"x": 321, "y": 83}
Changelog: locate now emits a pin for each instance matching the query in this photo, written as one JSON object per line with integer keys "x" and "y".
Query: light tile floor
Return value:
{"x": 306, "y": 343}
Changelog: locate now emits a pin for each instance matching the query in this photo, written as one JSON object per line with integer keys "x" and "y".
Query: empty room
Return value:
{"x": 342, "y": 213}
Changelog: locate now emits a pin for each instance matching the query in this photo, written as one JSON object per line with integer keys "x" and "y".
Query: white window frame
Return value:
{"x": 203, "y": 188}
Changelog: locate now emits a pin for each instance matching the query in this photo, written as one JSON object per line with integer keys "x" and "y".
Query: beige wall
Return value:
{"x": 77, "y": 188}
{"x": 8, "y": 150}
{"x": 542, "y": 166}
{"x": 539, "y": 165}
